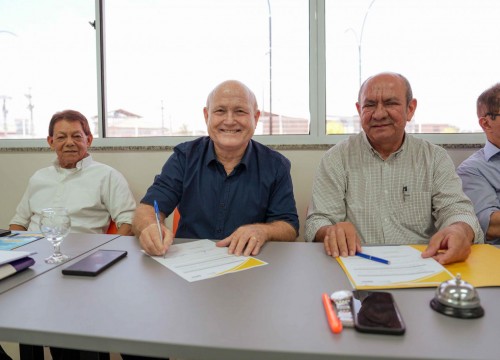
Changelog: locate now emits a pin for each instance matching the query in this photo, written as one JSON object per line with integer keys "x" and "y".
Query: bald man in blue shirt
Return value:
{"x": 226, "y": 186}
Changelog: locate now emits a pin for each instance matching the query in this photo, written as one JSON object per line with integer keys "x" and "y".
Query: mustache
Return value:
{"x": 383, "y": 122}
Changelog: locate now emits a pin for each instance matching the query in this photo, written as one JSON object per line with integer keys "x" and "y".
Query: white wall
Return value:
{"x": 140, "y": 167}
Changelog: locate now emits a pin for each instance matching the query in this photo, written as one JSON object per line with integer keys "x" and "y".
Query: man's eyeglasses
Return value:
{"x": 493, "y": 116}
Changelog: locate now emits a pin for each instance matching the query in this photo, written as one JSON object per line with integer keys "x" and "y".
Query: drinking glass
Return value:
{"x": 55, "y": 225}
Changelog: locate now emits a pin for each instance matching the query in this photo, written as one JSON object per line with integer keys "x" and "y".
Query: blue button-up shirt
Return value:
{"x": 480, "y": 175}
{"x": 213, "y": 204}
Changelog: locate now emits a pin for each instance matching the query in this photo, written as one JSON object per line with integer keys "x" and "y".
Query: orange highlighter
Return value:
{"x": 333, "y": 320}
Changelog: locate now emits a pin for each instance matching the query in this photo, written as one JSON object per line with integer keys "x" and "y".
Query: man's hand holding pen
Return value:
{"x": 156, "y": 238}
{"x": 152, "y": 243}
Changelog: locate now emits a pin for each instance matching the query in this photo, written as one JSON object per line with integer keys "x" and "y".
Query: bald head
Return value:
{"x": 229, "y": 87}
{"x": 405, "y": 82}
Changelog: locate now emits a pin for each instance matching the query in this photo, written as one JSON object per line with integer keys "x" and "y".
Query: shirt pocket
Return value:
{"x": 415, "y": 212}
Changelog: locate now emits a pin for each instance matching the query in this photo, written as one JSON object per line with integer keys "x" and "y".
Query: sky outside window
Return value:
{"x": 47, "y": 52}
{"x": 164, "y": 56}
{"x": 447, "y": 49}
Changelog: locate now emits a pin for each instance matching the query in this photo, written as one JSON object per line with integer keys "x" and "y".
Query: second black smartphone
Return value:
{"x": 95, "y": 263}
{"x": 376, "y": 312}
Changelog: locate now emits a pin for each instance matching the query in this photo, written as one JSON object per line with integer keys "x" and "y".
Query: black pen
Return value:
{"x": 405, "y": 192}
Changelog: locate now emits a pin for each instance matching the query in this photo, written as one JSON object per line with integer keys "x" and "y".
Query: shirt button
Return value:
{"x": 219, "y": 231}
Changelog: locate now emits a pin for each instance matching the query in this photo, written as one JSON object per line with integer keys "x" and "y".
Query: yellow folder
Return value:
{"x": 482, "y": 267}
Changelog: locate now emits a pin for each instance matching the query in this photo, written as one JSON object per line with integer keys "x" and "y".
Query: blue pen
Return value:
{"x": 157, "y": 213}
{"x": 374, "y": 258}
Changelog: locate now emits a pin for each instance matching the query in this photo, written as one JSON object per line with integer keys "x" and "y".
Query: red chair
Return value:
{"x": 112, "y": 229}
{"x": 175, "y": 221}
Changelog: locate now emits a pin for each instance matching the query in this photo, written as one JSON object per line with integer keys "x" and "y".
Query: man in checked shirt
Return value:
{"x": 384, "y": 186}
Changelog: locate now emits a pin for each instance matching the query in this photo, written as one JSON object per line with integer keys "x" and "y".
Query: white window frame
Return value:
{"x": 317, "y": 101}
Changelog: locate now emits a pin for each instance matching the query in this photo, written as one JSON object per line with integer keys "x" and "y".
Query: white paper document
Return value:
{"x": 7, "y": 256}
{"x": 201, "y": 259}
{"x": 406, "y": 269}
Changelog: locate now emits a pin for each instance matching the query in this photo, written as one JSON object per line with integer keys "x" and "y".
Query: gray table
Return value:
{"x": 271, "y": 312}
{"x": 74, "y": 245}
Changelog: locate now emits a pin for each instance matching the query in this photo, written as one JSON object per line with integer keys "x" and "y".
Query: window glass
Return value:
{"x": 446, "y": 48}
{"x": 163, "y": 57}
{"x": 47, "y": 63}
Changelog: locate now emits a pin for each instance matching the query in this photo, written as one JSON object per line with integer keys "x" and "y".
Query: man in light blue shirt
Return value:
{"x": 480, "y": 173}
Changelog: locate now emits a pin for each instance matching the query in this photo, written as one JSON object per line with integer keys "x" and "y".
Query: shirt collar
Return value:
{"x": 245, "y": 160}
{"x": 211, "y": 153}
{"x": 490, "y": 150}
{"x": 85, "y": 162}
{"x": 394, "y": 154}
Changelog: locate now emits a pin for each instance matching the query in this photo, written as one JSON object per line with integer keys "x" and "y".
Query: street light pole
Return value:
{"x": 30, "y": 109}
{"x": 270, "y": 71}
{"x": 5, "y": 112}
{"x": 359, "y": 41}
{"x": 5, "y": 97}
{"x": 162, "y": 119}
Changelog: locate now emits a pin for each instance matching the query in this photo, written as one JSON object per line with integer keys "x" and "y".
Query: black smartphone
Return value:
{"x": 376, "y": 312}
{"x": 95, "y": 263}
{"x": 4, "y": 232}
